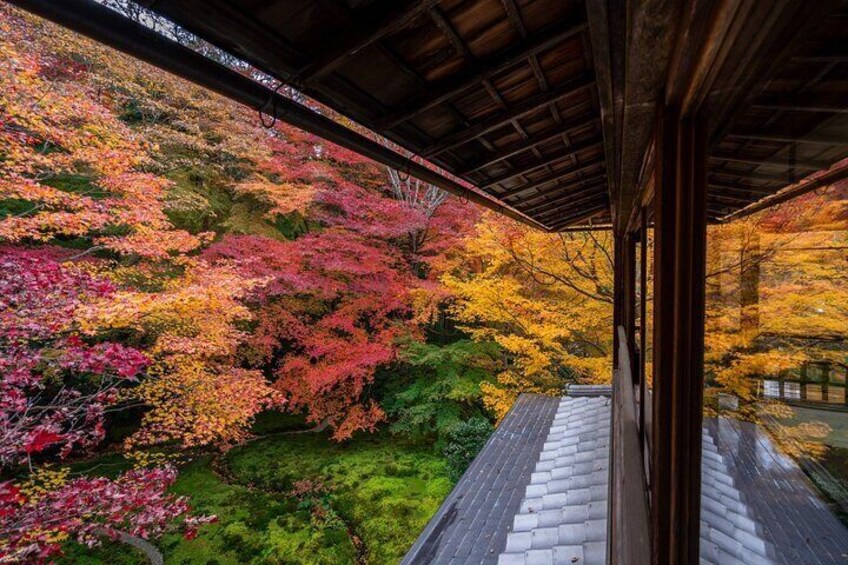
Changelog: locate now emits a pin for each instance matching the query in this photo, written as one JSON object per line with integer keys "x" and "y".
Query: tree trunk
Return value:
{"x": 750, "y": 290}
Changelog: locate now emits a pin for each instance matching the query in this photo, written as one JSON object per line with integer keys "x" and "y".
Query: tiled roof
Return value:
{"x": 795, "y": 521}
{"x": 756, "y": 505}
{"x": 729, "y": 532}
{"x": 472, "y": 523}
{"x": 563, "y": 518}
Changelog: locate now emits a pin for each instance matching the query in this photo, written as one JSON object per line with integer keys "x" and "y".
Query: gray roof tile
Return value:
{"x": 557, "y": 513}
{"x": 473, "y": 522}
{"x": 575, "y": 484}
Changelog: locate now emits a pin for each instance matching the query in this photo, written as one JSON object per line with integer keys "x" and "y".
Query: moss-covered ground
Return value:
{"x": 380, "y": 493}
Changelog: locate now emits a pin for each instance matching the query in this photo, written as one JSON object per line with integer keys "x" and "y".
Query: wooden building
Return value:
{"x": 620, "y": 114}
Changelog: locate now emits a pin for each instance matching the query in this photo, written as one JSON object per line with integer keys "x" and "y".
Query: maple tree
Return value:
{"x": 74, "y": 168}
{"x": 546, "y": 299}
{"x": 332, "y": 318}
{"x": 777, "y": 297}
{"x": 57, "y": 386}
{"x": 38, "y": 516}
{"x": 196, "y": 394}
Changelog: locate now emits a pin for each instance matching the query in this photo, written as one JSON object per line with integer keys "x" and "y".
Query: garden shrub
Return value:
{"x": 466, "y": 441}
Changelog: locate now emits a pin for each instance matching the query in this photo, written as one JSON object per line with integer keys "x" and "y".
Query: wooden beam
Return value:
{"x": 536, "y": 165}
{"x": 787, "y": 107}
{"x": 571, "y": 206}
{"x": 649, "y": 32}
{"x": 514, "y": 16}
{"x": 577, "y": 188}
{"x": 731, "y": 199}
{"x": 482, "y": 70}
{"x": 812, "y": 164}
{"x": 741, "y": 189}
{"x": 835, "y": 174}
{"x": 446, "y": 27}
{"x": 555, "y": 205}
{"x": 362, "y": 35}
{"x": 604, "y": 20}
{"x": 590, "y": 187}
{"x": 556, "y": 177}
{"x": 590, "y": 227}
{"x": 579, "y": 217}
{"x": 751, "y": 175}
{"x": 554, "y": 132}
{"x": 680, "y": 263}
{"x": 503, "y": 118}
{"x": 808, "y": 139}
{"x": 566, "y": 199}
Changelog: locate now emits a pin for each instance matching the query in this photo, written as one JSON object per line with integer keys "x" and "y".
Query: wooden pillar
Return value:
{"x": 845, "y": 387}
{"x": 825, "y": 380}
{"x": 618, "y": 307}
{"x": 803, "y": 385}
{"x": 643, "y": 328}
{"x": 679, "y": 259}
{"x": 624, "y": 291}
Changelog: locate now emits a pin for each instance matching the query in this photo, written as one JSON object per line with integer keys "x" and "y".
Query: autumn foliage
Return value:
{"x": 164, "y": 255}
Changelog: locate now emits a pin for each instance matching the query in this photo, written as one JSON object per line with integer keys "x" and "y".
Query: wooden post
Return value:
{"x": 825, "y": 380}
{"x": 618, "y": 295}
{"x": 643, "y": 329}
{"x": 629, "y": 314}
{"x": 803, "y": 385}
{"x": 680, "y": 262}
{"x": 624, "y": 306}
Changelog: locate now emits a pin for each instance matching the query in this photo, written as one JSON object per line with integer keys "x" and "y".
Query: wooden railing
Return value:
{"x": 629, "y": 530}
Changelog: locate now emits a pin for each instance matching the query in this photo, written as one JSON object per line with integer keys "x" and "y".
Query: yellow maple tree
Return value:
{"x": 545, "y": 299}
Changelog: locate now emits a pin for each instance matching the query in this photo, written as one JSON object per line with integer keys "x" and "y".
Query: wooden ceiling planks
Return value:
{"x": 500, "y": 92}
{"x": 531, "y": 100}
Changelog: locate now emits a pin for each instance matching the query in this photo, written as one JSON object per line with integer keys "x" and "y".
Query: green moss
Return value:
{"x": 386, "y": 488}
{"x": 385, "y": 491}
{"x": 14, "y": 207}
{"x": 198, "y": 200}
{"x": 74, "y": 183}
{"x": 77, "y": 184}
{"x": 248, "y": 218}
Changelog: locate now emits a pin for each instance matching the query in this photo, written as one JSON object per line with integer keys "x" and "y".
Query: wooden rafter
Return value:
{"x": 501, "y": 119}
{"x": 808, "y": 139}
{"x": 750, "y": 175}
{"x": 553, "y": 205}
{"x": 483, "y": 69}
{"x": 812, "y": 164}
{"x": 753, "y": 190}
{"x": 557, "y": 177}
{"x": 545, "y": 162}
{"x": 579, "y": 216}
{"x": 555, "y": 193}
{"x": 585, "y": 187}
{"x": 554, "y": 132}
{"x": 730, "y": 199}
{"x": 789, "y": 107}
{"x": 363, "y": 35}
